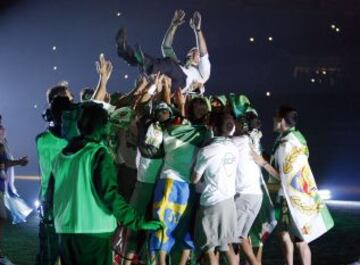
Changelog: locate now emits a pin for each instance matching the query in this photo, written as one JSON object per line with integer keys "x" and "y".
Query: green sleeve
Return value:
{"x": 105, "y": 182}
{"x": 170, "y": 53}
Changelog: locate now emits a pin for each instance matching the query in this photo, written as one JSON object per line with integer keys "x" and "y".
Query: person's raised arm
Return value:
{"x": 167, "y": 49}
{"x": 180, "y": 101}
{"x": 195, "y": 24}
{"x": 129, "y": 98}
{"x": 166, "y": 90}
{"x": 104, "y": 68}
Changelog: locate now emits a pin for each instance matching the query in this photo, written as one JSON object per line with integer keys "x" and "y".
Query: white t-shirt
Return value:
{"x": 199, "y": 73}
{"x": 248, "y": 176}
{"x": 217, "y": 164}
{"x": 148, "y": 169}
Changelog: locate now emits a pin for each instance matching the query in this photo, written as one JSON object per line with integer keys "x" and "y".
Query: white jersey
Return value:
{"x": 198, "y": 74}
{"x": 148, "y": 169}
{"x": 248, "y": 175}
{"x": 217, "y": 164}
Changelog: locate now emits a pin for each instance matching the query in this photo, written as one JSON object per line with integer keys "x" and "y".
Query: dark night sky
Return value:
{"x": 301, "y": 31}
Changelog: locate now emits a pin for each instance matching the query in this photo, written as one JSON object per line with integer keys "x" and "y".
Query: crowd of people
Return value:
{"x": 166, "y": 175}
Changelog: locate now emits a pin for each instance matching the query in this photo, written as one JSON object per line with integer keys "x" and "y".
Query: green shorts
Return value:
{"x": 285, "y": 221}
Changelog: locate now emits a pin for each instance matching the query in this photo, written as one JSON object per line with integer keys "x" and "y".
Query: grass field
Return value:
{"x": 339, "y": 246}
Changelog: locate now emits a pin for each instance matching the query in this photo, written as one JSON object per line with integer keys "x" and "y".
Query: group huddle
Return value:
{"x": 178, "y": 175}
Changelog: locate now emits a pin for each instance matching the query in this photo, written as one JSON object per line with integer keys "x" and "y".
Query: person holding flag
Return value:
{"x": 303, "y": 216}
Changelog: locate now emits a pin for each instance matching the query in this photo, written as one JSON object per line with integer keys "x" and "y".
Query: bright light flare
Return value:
{"x": 351, "y": 204}
{"x": 37, "y": 203}
{"x": 325, "y": 194}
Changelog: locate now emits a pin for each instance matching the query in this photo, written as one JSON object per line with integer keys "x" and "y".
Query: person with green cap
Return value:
{"x": 82, "y": 195}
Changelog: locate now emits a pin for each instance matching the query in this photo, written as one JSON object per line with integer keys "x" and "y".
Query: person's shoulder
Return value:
{"x": 229, "y": 144}
{"x": 240, "y": 140}
{"x": 205, "y": 57}
{"x": 41, "y": 135}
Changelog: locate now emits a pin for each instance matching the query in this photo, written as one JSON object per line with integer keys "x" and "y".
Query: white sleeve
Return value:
{"x": 200, "y": 163}
{"x": 204, "y": 68}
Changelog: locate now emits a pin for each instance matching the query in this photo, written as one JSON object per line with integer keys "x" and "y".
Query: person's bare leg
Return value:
{"x": 162, "y": 257}
{"x": 129, "y": 257}
{"x": 232, "y": 257}
{"x": 185, "y": 254}
{"x": 248, "y": 251}
{"x": 304, "y": 252}
{"x": 258, "y": 253}
{"x": 212, "y": 258}
{"x": 287, "y": 247}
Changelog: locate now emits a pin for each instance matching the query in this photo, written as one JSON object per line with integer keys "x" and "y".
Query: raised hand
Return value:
{"x": 195, "y": 21}
{"x": 142, "y": 83}
{"x": 179, "y": 98}
{"x": 179, "y": 17}
{"x": 104, "y": 67}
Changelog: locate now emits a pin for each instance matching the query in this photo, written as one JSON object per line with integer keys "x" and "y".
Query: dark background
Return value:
{"x": 308, "y": 64}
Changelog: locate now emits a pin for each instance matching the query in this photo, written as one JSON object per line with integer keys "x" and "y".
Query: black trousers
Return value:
{"x": 151, "y": 65}
{"x": 48, "y": 252}
{"x": 85, "y": 249}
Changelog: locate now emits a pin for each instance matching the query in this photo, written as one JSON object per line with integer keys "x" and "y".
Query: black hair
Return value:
{"x": 92, "y": 117}
{"x": 191, "y": 110}
{"x": 86, "y": 93}
{"x": 248, "y": 122}
{"x": 289, "y": 114}
{"x": 55, "y": 91}
{"x": 223, "y": 123}
{"x": 57, "y": 107}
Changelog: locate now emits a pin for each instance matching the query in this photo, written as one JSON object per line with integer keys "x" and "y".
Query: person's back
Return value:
{"x": 216, "y": 218}
{"x": 83, "y": 194}
{"x": 48, "y": 146}
{"x": 220, "y": 159}
{"x": 76, "y": 204}
{"x": 181, "y": 143}
{"x": 248, "y": 177}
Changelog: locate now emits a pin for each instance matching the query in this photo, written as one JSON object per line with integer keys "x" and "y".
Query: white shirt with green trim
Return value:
{"x": 217, "y": 164}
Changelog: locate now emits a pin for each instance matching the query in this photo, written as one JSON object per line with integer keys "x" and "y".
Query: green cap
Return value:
{"x": 222, "y": 98}
{"x": 240, "y": 104}
{"x": 163, "y": 106}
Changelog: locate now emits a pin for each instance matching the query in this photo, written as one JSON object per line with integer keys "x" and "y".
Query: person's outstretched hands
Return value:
{"x": 195, "y": 21}
{"x": 104, "y": 67}
{"x": 152, "y": 225}
{"x": 179, "y": 17}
